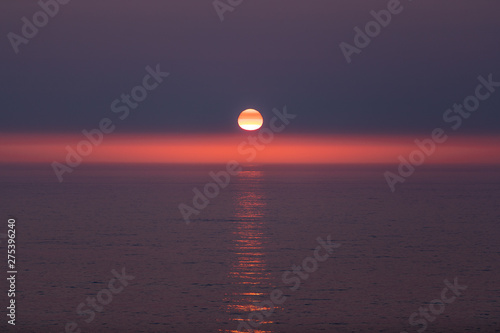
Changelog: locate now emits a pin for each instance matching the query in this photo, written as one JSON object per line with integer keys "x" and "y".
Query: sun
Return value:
{"x": 250, "y": 120}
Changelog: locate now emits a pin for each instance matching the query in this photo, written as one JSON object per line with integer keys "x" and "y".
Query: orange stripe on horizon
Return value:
{"x": 196, "y": 148}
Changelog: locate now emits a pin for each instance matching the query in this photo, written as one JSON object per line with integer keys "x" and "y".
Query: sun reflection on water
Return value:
{"x": 248, "y": 272}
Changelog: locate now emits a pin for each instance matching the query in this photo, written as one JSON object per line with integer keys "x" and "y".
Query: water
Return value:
{"x": 396, "y": 249}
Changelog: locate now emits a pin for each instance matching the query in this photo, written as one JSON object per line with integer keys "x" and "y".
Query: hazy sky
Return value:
{"x": 264, "y": 54}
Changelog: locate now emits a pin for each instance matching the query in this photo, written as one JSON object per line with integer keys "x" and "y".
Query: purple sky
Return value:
{"x": 264, "y": 54}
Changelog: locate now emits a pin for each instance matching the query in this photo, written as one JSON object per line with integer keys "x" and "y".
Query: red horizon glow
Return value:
{"x": 213, "y": 149}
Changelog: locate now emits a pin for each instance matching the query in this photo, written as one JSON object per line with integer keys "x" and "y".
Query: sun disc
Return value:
{"x": 250, "y": 120}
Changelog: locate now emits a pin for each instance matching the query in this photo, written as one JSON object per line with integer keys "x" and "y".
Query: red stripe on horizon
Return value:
{"x": 196, "y": 148}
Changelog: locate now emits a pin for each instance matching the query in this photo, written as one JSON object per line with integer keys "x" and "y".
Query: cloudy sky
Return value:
{"x": 264, "y": 54}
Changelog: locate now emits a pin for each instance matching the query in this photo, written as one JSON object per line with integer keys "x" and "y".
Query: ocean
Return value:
{"x": 283, "y": 248}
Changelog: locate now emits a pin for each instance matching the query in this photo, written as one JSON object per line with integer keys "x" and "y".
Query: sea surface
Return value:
{"x": 222, "y": 271}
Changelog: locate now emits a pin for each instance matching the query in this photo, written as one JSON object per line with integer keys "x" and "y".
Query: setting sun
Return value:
{"x": 250, "y": 120}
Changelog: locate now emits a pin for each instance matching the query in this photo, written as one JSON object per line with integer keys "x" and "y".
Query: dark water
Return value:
{"x": 396, "y": 249}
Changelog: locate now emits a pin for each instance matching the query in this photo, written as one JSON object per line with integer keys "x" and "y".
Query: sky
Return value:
{"x": 215, "y": 149}
{"x": 263, "y": 55}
